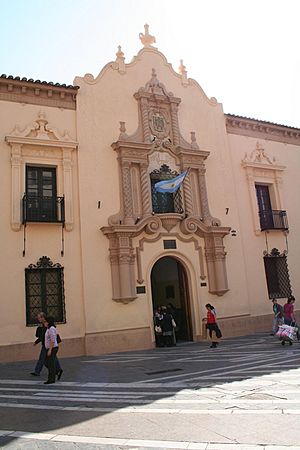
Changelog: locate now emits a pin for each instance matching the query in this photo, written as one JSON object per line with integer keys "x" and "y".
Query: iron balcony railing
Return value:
{"x": 273, "y": 220}
{"x": 43, "y": 209}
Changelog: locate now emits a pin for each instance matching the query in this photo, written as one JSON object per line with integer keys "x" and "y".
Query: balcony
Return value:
{"x": 43, "y": 209}
{"x": 273, "y": 220}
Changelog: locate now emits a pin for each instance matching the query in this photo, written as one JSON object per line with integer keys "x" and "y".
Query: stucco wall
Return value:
{"x": 254, "y": 245}
{"x": 102, "y": 103}
{"x": 41, "y": 239}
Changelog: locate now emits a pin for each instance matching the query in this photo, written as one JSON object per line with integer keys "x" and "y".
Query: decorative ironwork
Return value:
{"x": 273, "y": 220}
{"x": 277, "y": 274}
{"x": 165, "y": 202}
{"x": 43, "y": 209}
{"x": 45, "y": 290}
{"x": 44, "y": 263}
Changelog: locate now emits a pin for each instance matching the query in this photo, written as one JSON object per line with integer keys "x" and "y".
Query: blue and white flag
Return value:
{"x": 170, "y": 186}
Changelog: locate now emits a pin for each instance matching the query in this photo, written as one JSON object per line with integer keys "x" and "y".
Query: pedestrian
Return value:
{"x": 288, "y": 311}
{"x": 167, "y": 325}
{"x": 212, "y": 326}
{"x": 40, "y": 335}
{"x": 278, "y": 316}
{"x": 173, "y": 311}
{"x": 51, "y": 346}
{"x": 157, "y": 319}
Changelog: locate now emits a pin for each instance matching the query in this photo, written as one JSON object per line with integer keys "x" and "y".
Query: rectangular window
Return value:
{"x": 169, "y": 243}
{"x": 270, "y": 218}
{"x": 40, "y": 203}
{"x": 277, "y": 275}
{"x": 264, "y": 207}
{"x": 44, "y": 292}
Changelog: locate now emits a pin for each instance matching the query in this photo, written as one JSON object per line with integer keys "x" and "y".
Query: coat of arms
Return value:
{"x": 158, "y": 122}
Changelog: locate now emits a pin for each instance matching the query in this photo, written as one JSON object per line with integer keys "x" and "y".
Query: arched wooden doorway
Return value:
{"x": 169, "y": 284}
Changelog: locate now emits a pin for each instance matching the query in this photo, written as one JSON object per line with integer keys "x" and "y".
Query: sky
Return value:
{"x": 244, "y": 53}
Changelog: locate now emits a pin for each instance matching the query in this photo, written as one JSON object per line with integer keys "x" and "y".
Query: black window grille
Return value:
{"x": 44, "y": 283}
{"x": 277, "y": 274}
{"x": 165, "y": 202}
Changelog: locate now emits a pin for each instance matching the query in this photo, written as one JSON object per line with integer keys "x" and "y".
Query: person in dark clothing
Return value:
{"x": 157, "y": 318}
{"x": 167, "y": 327}
{"x": 40, "y": 335}
{"x": 278, "y": 316}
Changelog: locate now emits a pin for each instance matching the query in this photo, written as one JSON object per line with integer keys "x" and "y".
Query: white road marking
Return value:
{"x": 142, "y": 442}
{"x": 219, "y": 369}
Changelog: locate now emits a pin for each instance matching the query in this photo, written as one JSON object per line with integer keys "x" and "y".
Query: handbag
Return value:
{"x": 218, "y": 332}
{"x": 58, "y": 338}
{"x": 158, "y": 329}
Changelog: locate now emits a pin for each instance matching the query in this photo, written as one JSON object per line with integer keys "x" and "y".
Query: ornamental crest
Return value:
{"x": 158, "y": 123}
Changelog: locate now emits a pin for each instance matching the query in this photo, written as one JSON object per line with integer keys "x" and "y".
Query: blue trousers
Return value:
{"x": 42, "y": 360}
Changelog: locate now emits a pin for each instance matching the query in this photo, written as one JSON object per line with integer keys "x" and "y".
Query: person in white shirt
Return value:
{"x": 51, "y": 346}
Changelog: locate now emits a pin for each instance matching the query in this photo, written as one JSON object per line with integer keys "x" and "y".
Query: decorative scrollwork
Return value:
{"x": 189, "y": 225}
{"x": 153, "y": 225}
{"x": 44, "y": 263}
{"x": 164, "y": 173}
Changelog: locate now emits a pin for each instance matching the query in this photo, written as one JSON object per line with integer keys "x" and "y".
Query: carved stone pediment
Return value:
{"x": 40, "y": 133}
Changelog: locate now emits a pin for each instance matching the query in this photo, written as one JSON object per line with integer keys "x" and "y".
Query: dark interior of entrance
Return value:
{"x": 169, "y": 285}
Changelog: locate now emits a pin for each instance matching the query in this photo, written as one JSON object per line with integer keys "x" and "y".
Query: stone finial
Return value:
{"x": 183, "y": 73}
{"x": 146, "y": 39}
{"x": 155, "y": 86}
{"x": 120, "y": 54}
{"x": 123, "y": 135}
{"x": 182, "y": 68}
{"x": 119, "y": 63}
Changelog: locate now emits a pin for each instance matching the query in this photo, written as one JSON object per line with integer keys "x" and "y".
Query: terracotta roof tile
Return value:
{"x": 31, "y": 80}
{"x": 261, "y": 121}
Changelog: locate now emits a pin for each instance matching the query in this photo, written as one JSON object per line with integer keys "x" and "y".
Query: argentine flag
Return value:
{"x": 170, "y": 186}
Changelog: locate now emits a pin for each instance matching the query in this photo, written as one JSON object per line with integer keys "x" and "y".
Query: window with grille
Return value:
{"x": 277, "y": 274}
{"x": 44, "y": 291}
{"x": 165, "y": 202}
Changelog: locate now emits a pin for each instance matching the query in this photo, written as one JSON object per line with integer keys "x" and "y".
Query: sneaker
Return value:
{"x": 59, "y": 374}
{"x": 35, "y": 374}
{"x": 49, "y": 382}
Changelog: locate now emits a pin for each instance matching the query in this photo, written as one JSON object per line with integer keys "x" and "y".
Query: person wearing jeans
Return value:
{"x": 40, "y": 335}
{"x": 51, "y": 347}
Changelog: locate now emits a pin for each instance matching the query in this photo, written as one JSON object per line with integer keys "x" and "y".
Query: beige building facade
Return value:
{"x": 86, "y": 237}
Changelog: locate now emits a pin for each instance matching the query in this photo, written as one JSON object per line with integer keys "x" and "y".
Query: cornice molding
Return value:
{"x": 38, "y": 93}
{"x": 263, "y": 130}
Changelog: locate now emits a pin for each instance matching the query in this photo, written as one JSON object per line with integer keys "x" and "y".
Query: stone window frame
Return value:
{"x": 261, "y": 170}
{"x": 39, "y": 144}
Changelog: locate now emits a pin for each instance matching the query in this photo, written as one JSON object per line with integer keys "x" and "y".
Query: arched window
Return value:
{"x": 165, "y": 202}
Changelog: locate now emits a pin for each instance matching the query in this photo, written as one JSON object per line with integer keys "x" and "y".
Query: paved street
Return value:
{"x": 243, "y": 395}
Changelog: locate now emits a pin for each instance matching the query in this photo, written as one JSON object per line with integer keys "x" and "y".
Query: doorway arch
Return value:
{"x": 169, "y": 284}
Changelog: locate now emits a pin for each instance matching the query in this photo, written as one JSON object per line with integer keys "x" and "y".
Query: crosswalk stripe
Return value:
{"x": 132, "y": 410}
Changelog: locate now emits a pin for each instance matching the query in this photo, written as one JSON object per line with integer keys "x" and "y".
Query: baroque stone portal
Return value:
{"x": 158, "y": 138}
